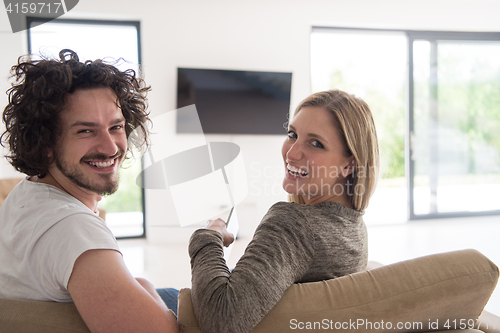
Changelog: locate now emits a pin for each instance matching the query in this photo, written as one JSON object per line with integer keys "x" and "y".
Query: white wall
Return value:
{"x": 253, "y": 35}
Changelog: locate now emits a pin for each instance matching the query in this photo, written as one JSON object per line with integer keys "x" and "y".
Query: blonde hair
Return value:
{"x": 354, "y": 123}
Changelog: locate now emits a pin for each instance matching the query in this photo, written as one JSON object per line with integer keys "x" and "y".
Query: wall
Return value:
{"x": 256, "y": 35}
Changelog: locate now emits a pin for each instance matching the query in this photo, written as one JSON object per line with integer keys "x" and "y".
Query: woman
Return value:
{"x": 331, "y": 160}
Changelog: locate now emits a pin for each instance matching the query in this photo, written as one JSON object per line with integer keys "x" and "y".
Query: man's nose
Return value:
{"x": 106, "y": 144}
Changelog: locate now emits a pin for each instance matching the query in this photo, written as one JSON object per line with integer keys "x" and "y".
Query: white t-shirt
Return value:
{"x": 43, "y": 230}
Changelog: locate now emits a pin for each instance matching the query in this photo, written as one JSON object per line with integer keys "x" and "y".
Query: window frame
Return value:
{"x": 137, "y": 24}
{"x": 412, "y": 36}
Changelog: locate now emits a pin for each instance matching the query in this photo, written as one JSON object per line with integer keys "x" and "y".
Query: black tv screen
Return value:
{"x": 234, "y": 102}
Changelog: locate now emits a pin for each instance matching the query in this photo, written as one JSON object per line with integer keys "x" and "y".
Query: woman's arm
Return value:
{"x": 278, "y": 255}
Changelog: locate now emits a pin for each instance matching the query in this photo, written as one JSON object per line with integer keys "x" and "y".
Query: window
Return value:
{"x": 92, "y": 40}
{"x": 435, "y": 100}
{"x": 455, "y": 116}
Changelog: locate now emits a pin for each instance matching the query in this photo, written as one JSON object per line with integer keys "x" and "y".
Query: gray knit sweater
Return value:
{"x": 293, "y": 243}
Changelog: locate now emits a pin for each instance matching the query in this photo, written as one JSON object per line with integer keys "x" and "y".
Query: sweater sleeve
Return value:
{"x": 278, "y": 255}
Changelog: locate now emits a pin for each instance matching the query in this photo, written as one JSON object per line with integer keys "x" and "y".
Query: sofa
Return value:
{"x": 6, "y": 185}
{"x": 440, "y": 292}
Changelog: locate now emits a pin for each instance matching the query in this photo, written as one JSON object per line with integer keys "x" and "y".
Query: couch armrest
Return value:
{"x": 489, "y": 323}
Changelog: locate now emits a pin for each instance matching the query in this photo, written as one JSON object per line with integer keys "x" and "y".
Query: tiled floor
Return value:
{"x": 167, "y": 265}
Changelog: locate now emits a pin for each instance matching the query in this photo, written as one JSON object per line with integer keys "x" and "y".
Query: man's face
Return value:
{"x": 93, "y": 141}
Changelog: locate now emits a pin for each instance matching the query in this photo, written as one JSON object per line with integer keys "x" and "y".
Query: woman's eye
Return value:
{"x": 292, "y": 135}
{"x": 317, "y": 144}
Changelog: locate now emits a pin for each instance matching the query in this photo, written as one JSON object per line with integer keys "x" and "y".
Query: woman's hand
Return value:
{"x": 220, "y": 226}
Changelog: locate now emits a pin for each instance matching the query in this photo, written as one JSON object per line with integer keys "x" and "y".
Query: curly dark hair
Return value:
{"x": 38, "y": 96}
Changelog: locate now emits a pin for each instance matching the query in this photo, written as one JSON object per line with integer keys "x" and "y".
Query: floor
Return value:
{"x": 167, "y": 265}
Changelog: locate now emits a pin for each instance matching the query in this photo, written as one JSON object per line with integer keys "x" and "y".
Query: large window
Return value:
{"x": 436, "y": 103}
{"x": 455, "y": 164}
{"x": 96, "y": 40}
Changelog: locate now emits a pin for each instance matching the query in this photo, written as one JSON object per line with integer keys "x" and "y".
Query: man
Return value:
{"x": 67, "y": 127}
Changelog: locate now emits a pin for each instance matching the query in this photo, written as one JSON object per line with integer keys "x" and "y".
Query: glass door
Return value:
{"x": 454, "y": 126}
{"x": 371, "y": 65}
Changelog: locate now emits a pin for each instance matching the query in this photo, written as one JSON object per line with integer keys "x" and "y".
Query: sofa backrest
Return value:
{"x": 442, "y": 291}
{"x": 19, "y": 316}
{"x": 6, "y": 185}
{"x": 437, "y": 292}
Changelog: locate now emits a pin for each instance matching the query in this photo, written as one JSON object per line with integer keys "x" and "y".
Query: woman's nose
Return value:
{"x": 295, "y": 152}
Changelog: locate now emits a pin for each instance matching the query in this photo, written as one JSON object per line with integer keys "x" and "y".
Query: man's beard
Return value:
{"x": 77, "y": 177}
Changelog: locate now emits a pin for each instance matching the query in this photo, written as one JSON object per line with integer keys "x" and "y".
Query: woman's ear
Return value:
{"x": 350, "y": 167}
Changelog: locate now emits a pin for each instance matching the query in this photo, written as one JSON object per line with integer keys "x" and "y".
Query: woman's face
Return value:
{"x": 315, "y": 165}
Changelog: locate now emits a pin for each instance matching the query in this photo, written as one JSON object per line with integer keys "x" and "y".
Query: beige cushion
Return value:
{"x": 444, "y": 287}
{"x": 18, "y": 316}
{"x": 6, "y": 185}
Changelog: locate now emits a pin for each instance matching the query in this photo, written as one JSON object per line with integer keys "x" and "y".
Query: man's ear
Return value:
{"x": 51, "y": 155}
{"x": 349, "y": 168}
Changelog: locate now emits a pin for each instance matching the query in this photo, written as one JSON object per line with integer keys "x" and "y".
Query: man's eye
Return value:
{"x": 84, "y": 131}
{"x": 292, "y": 135}
{"x": 317, "y": 144}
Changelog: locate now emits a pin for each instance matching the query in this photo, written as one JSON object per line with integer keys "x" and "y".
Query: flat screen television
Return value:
{"x": 234, "y": 102}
